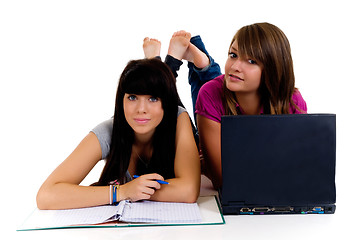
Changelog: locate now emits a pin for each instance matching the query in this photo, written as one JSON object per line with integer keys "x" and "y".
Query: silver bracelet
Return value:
{"x": 110, "y": 194}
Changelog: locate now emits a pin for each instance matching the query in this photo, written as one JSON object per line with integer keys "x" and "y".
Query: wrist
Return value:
{"x": 115, "y": 194}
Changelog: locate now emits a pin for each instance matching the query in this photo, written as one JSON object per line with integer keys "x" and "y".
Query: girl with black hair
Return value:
{"x": 149, "y": 135}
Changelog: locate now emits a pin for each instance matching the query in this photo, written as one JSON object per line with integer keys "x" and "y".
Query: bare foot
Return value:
{"x": 151, "y": 47}
{"x": 179, "y": 44}
{"x": 196, "y": 56}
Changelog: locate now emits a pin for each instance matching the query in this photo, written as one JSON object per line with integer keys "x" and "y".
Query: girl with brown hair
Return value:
{"x": 258, "y": 79}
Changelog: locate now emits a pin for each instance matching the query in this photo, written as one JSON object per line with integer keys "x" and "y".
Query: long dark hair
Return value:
{"x": 266, "y": 43}
{"x": 144, "y": 77}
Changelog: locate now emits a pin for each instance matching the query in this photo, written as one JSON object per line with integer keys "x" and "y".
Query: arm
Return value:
{"x": 210, "y": 140}
{"x": 186, "y": 184}
{"x": 61, "y": 189}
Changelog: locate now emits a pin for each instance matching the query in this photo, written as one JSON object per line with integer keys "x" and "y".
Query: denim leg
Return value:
{"x": 174, "y": 64}
{"x": 197, "y": 77}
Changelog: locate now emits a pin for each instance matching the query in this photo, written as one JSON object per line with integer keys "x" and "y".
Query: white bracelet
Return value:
{"x": 110, "y": 194}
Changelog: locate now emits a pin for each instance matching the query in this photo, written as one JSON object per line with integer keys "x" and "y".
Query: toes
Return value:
{"x": 182, "y": 33}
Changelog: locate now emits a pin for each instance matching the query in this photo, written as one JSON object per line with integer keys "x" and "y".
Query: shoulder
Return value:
{"x": 210, "y": 99}
{"x": 103, "y": 132}
{"x": 299, "y": 101}
{"x": 213, "y": 86}
{"x": 182, "y": 117}
{"x": 181, "y": 110}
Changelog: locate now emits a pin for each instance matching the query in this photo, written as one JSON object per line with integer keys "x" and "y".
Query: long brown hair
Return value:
{"x": 267, "y": 44}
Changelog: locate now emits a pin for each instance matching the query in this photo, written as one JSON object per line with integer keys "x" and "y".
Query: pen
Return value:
{"x": 159, "y": 181}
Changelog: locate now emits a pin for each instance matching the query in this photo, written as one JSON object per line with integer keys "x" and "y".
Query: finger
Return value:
{"x": 141, "y": 196}
{"x": 153, "y": 184}
{"x": 149, "y": 191}
{"x": 153, "y": 176}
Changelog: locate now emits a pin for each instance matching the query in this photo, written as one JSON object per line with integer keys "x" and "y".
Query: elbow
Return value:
{"x": 40, "y": 200}
{"x": 43, "y": 201}
{"x": 192, "y": 199}
{"x": 191, "y": 194}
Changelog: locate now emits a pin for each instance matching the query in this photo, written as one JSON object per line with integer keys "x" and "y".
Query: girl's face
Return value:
{"x": 242, "y": 75}
{"x": 143, "y": 113}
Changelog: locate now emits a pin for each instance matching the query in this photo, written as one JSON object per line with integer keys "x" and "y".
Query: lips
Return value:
{"x": 235, "y": 78}
{"x": 142, "y": 120}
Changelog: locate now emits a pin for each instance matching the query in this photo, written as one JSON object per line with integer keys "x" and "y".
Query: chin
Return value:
{"x": 233, "y": 87}
{"x": 144, "y": 132}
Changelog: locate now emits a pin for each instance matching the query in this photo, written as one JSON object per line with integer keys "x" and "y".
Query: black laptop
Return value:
{"x": 278, "y": 164}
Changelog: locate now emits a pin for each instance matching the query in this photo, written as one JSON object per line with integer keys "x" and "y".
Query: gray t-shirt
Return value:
{"x": 103, "y": 132}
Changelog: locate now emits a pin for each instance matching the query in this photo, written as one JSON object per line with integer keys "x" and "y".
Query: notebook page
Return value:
{"x": 161, "y": 212}
{"x": 62, "y": 218}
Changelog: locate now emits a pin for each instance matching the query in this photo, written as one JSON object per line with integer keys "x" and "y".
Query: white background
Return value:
{"x": 60, "y": 62}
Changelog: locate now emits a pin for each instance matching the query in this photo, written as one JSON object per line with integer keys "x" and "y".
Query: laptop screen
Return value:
{"x": 278, "y": 160}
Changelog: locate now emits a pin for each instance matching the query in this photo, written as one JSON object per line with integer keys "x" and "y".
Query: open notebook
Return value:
{"x": 144, "y": 213}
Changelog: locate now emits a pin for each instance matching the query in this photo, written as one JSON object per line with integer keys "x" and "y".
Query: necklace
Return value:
{"x": 144, "y": 162}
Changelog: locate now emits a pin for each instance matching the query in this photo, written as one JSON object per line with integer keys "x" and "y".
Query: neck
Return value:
{"x": 143, "y": 139}
{"x": 142, "y": 142}
{"x": 249, "y": 102}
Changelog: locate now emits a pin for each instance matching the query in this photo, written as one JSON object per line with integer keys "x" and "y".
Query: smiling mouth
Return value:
{"x": 235, "y": 78}
{"x": 142, "y": 120}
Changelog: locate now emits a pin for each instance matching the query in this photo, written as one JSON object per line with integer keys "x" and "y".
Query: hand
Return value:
{"x": 141, "y": 188}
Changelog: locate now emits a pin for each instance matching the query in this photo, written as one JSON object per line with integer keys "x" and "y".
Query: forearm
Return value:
{"x": 178, "y": 190}
{"x": 210, "y": 139}
{"x": 65, "y": 196}
{"x": 213, "y": 170}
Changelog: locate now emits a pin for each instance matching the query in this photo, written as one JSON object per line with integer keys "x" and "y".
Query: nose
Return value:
{"x": 142, "y": 106}
{"x": 237, "y": 65}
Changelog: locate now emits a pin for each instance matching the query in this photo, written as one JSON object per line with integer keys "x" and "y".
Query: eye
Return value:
{"x": 153, "y": 99}
{"x": 251, "y": 61}
{"x": 132, "y": 97}
{"x": 232, "y": 55}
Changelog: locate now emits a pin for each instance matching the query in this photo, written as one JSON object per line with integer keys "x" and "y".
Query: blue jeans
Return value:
{"x": 197, "y": 77}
